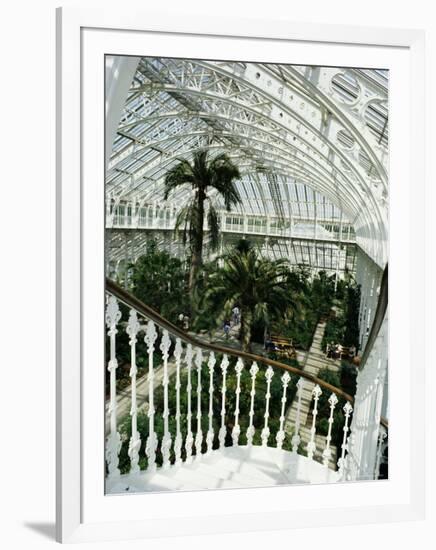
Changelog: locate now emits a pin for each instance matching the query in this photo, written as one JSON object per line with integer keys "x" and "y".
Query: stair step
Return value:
{"x": 254, "y": 468}
{"x": 193, "y": 474}
{"x": 241, "y": 479}
{"x": 230, "y": 467}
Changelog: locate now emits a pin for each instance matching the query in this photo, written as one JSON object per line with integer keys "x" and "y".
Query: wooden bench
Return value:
{"x": 283, "y": 346}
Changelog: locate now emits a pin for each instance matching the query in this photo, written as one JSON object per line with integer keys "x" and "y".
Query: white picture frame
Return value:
{"x": 83, "y": 512}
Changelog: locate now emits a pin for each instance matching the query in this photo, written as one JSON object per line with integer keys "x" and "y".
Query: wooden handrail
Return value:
{"x": 132, "y": 302}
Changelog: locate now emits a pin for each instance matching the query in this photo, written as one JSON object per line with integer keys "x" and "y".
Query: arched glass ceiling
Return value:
{"x": 300, "y": 136}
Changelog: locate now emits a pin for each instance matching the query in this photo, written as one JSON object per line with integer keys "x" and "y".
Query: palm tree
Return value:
{"x": 203, "y": 175}
{"x": 257, "y": 285}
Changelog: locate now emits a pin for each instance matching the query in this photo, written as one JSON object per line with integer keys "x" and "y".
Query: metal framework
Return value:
{"x": 310, "y": 142}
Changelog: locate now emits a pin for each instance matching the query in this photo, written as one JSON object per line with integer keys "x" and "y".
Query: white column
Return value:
{"x": 364, "y": 429}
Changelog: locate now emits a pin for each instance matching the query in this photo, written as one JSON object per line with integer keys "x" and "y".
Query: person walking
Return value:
{"x": 227, "y": 329}
{"x": 236, "y": 314}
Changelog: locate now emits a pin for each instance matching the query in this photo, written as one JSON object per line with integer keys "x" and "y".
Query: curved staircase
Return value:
{"x": 229, "y": 468}
{"x": 195, "y": 453}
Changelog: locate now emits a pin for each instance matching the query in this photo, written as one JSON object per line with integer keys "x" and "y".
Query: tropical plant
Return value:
{"x": 343, "y": 328}
{"x": 158, "y": 279}
{"x": 203, "y": 175}
{"x": 352, "y": 296}
{"x": 257, "y": 285}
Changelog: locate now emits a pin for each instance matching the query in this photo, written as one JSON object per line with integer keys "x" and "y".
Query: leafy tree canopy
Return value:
{"x": 158, "y": 280}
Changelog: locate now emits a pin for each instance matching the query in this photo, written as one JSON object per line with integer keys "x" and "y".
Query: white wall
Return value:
{"x": 27, "y": 301}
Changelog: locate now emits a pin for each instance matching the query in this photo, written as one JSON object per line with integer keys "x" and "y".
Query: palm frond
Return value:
{"x": 183, "y": 222}
{"x": 178, "y": 175}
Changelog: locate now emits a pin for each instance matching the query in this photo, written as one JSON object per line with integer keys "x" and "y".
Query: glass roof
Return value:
{"x": 311, "y": 143}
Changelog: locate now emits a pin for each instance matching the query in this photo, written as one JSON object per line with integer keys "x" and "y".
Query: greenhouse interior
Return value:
{"x": 246, "y": 260}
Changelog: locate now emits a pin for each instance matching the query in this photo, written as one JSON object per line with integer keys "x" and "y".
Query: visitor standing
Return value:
{"x": 236, "y": 315}
{"x": 180, "y": 320}
{"x": 227, "y": 329}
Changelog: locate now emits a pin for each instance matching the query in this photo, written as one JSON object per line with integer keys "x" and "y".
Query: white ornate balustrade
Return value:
{"x": 209, "y": 438}
{"x": 152, "y": 217}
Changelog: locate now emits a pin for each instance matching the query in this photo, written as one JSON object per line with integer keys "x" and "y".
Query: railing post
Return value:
{"x": 296, "y": 437}
{"x": 166, "y": 440}
{"x": 380, "y": 448}
{"x": 113, "y": 444}
{"x": 189, "y": 437}
{"x": 178, "y": 440}
{"x": 151, "y": 445}
{"x": 199, "y": 435}
{"x": 236, "y": 428}
{"x": 348, "y": 409}
{"x": 250, "y": 431}
{"x": 210, "y": 433}
{"x": 333, "y": 400}
{"x": 265, "y": 432}
{"x": 280, "y": 437}
{"x": 132, "y": 330}
{"x": 222, "y": 432}
{"x": 311, "y": 446}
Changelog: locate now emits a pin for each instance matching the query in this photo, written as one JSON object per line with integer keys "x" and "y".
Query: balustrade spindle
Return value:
{"x": 280, "y": 437}
{"x": 199, "y": 435}
{"x": 178, "y": 440}
{"x": 113, "y": 443}
{"x": 210, "y": 432}
{"x": 265, "y": 432}
{"x": 151, "y": 444}
{"x": 296, "y": 437}
{"x": 132, "y": 330}
{"x": 189, "y": 436}
{"x": 380, "y": 448}
{"x": 311, "y": 446}
{"x": 222, "y": 432}
{"x": 348, "y": 409}
{"x": 250, "y": 430}
{"x": 166, "y": 440}
{"x": 236, "y": 428}
{"x": 333, "y": 400}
